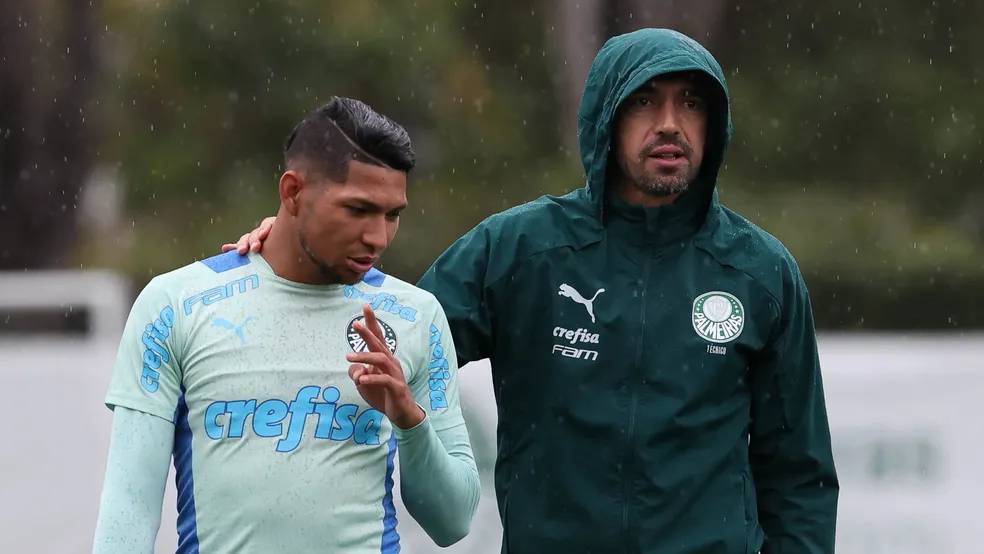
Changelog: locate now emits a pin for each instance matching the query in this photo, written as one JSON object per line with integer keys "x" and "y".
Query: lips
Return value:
{"x": 666, "y": 152}
{"x": 667, "y": 156}
{"x": 361, "y": 264}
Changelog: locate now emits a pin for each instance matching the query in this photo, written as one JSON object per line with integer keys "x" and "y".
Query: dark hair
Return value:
{"x": 346, "y": 129}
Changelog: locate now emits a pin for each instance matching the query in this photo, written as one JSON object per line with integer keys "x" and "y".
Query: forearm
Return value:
{"x": 133, "y": 491}
{"x": 439, "y": 480}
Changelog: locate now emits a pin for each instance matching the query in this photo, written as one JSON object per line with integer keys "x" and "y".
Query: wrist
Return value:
{"x": 409, "y": 417}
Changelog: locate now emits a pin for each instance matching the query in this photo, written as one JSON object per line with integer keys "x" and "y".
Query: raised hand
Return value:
{"x": 379, "y": 377}
{"x": 253, "y": 240}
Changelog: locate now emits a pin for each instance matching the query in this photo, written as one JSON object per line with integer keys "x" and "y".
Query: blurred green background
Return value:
{"x": 139, "y": 135}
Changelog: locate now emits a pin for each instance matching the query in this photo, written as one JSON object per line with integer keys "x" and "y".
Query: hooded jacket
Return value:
{"x": 655, "y": 369}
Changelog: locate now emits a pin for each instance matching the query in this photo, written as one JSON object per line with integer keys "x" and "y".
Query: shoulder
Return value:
{"x": 562, "y": 211}
{"x": 388, "y": 293}
{"x": 377, "y": 281}
{"x": 213, "y": 269}
{"x": 734, "y": 241}
{"x": 544, "y": 224}
{"x": 199, "y": 277}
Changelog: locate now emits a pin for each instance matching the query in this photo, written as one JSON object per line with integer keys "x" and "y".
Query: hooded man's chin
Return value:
{"x": 664, "y": 186}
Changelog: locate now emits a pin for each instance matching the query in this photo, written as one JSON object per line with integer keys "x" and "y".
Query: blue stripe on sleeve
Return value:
{"x": 225, "y": 262}
{"x": 391, "y": 539}
{"x": 184, "y": 481}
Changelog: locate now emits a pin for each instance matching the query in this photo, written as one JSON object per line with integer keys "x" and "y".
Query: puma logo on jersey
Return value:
{"x": 570, "y": 292}
{"x": 239, "y": 330}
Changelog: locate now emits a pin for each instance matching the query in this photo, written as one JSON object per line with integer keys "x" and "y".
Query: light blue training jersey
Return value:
{"x": 275, "y": 450}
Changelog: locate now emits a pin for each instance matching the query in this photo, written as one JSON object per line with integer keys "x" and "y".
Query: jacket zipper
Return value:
{"x": 634, "y": 403}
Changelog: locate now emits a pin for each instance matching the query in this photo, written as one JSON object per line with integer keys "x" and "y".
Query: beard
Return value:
{"x": 331, "y": 275}
{"x": 654, "y": 182}
{"x": 663, "y": 185}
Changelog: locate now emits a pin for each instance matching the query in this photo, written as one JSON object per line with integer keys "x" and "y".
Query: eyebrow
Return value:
{"x": 366, "y": 203}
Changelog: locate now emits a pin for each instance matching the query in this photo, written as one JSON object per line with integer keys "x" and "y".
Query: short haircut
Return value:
{"x": 345, "y": 129}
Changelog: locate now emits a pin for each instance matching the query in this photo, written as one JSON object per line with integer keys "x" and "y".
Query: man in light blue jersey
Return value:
{"x": 284, "y": 384}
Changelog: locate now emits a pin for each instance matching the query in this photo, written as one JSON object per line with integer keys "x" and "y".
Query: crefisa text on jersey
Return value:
{"x": 154, "y": 339}
{"x": 226, "y": 419}
{"x": 381, "y": 301}
{"x": 438, "y": 368}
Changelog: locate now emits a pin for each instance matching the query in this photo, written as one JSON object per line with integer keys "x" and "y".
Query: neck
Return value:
{"x": 282, "y": 250}
{"x": 632, "y": 195}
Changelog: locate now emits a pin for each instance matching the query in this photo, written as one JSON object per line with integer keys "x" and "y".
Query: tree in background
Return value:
{"x": 858, "y": 143}
{"x": 48, "y": 138}
{"x": 203, "y": 96}
{"x": 858, "y": 136}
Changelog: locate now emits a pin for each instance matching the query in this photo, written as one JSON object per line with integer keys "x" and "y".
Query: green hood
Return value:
{"x": 625, "y": 63}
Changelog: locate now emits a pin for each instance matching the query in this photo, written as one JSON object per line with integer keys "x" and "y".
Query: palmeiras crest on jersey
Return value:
{"x": 359, "y": 345}
{"x": 718, "y": 316}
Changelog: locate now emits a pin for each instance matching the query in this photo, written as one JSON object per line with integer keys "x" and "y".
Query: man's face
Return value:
{"x": 659, "y": 137}
{"x": 345, "y": 227}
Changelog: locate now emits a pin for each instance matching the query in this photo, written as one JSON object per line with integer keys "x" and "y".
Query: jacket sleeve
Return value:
{"x": 789, "y": 448}
{"x": 458, "y": 279}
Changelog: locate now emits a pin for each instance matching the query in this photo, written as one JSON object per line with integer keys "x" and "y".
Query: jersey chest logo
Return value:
{"x": 239, "y": 330}
{"x": 359, "y": 345}
{"x": 718, "y": 316}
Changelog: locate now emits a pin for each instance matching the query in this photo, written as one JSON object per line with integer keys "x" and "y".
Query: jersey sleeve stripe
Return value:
{"x": 184, "y": 481}
{"x": 391, "y": 539}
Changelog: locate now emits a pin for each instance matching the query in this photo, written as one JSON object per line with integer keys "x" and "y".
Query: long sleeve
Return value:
{"x": 790, "y": 452}
{"x": 133, "y": 491}
{"x": 439, "y": 480}
{"x": 458, "y": 278}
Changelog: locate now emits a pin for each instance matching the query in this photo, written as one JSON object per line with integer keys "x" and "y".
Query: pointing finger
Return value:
{"x": 373, "y": 343}
{"x": 371, "y": 323}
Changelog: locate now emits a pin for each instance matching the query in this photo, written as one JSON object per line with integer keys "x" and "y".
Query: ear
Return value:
{"x": 291, "y": 184}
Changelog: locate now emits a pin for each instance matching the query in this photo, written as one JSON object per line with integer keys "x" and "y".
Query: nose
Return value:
{"x": 667, "y": 120}
{"x": 374, "y": 234}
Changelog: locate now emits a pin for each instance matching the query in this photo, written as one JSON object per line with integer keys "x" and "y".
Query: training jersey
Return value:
{"x": 274, "y": 448}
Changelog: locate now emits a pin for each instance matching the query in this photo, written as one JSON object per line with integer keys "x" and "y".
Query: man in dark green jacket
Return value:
{"x": 653, "y": 353}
